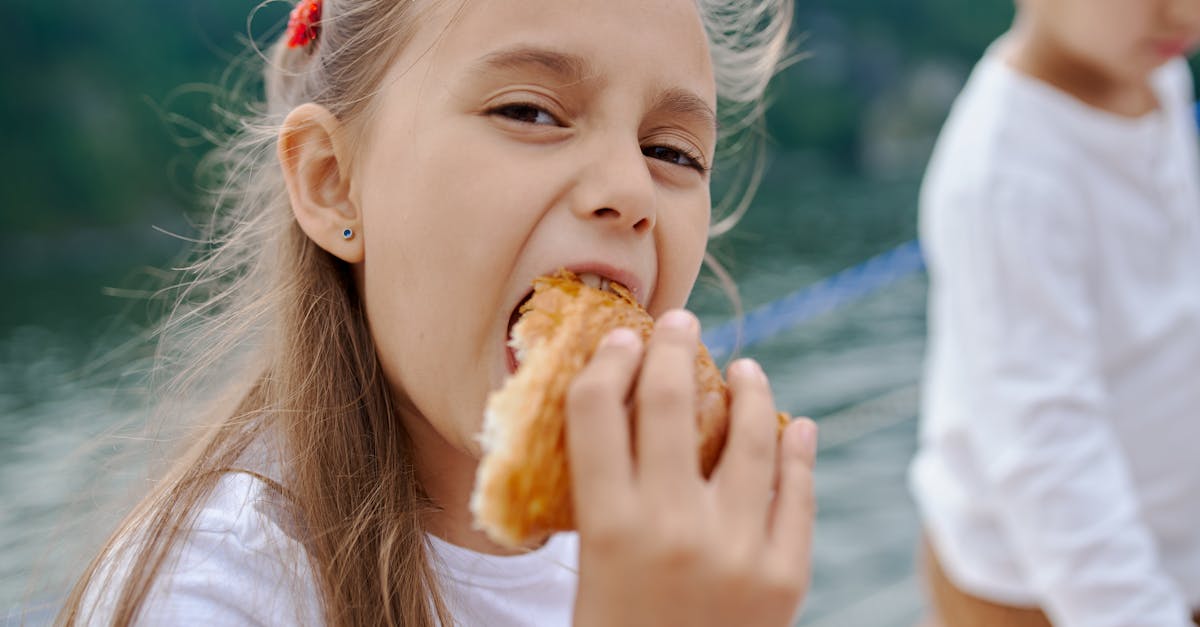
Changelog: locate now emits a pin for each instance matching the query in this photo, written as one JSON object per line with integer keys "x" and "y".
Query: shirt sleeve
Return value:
{"x": 235, "y": 566}
{"x": 1063, "y": 489}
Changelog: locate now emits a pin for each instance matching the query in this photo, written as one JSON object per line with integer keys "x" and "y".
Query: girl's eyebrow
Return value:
{"x": 570, "y": 68}
{"x": 685, "y": 103}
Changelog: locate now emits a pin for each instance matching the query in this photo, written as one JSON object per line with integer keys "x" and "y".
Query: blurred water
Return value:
{"x": 55, "y": 440}
{"x": 56, "y": 405}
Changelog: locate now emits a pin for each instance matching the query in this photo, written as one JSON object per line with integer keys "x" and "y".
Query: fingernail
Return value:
{"x": 623, "y": 338}
{"x": 680, "y": 319}
{"x": 747, "y": 368}
{"x": 808, "y": 439}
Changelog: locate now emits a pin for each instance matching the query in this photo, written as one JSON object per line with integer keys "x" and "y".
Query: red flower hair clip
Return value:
{"x": 304, "y": 24}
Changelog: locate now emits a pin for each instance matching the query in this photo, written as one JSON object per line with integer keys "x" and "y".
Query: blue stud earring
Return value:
{"x": 347, "y": 233}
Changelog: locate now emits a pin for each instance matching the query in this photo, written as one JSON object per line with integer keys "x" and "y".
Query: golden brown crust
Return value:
{"x": 523, "y": 488}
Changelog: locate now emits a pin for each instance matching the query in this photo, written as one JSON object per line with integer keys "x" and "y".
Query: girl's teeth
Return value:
{"x": 593, "y": 280}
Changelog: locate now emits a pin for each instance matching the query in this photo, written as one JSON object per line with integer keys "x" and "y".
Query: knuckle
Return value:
{"x": 664, "y": 395}
{"x": 587, "y": 391}
{"x": 803, "y": 483}
{"x": 677, "y": 548}
{"x": 677, "y": 556}
{"x": 782, "y": 582}
{"x": 678, "y": 338}
{"x": 674, "y": 346}
{"x": 758, "y": 441}
{"x": 739, "y": 567}
{"x": 740, "y": 585}
{"x": 609, "y": 534}
{"x": 797, "y": 479}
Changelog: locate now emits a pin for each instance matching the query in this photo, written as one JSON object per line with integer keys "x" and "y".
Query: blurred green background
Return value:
{"x": 99, "y": 98}
{"x": 103, "y": 112}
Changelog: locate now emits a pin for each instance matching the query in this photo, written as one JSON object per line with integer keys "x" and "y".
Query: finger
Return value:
{"x": 666, "y": 399}
{"x": 598, "y": 450}
{"x": 747, "y": 472}
{"x": 795, "y": 507}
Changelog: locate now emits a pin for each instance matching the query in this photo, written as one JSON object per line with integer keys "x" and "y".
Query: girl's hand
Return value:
{"x": 660, "y": 545}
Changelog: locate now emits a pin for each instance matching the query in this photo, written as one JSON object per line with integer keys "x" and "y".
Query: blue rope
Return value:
{"x": 816, "y": 299}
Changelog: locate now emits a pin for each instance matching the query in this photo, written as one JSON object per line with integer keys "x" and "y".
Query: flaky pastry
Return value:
{"x": 523, "y": 485}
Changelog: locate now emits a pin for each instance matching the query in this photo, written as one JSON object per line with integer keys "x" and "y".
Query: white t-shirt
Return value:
{"x": 537, "y": 588}
{"x": 1058, "y": 462}
{"x": 241, "y": 565}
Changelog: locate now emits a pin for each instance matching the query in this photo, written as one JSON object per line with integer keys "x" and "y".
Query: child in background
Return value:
{"x": 416, "y": 166}
{"x": 1057, "y": 474}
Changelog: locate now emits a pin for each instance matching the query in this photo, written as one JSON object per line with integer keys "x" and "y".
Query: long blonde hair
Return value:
{"x": 274, "y": 324}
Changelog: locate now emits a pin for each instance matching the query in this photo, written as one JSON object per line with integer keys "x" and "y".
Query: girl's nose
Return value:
{"x": 617, "y": 190}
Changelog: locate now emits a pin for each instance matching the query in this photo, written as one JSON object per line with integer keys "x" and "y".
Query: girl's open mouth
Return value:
{"x": 510, "y": 352}
{"x": 512, "y": 356}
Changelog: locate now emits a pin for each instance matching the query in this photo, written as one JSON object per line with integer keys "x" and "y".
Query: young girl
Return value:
{"x": 1057, "y": 476}
{"x": 417, "y": 165}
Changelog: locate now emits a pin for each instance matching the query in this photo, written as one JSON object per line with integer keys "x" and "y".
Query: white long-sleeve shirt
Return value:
{"x": 1059, "y": 461}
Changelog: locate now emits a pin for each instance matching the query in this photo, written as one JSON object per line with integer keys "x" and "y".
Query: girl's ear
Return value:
{"x": 317, "y": 181}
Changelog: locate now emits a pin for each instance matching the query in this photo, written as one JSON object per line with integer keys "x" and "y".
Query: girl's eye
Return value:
{"x": 526, "y": 113}
{"x": 674, "y": 156}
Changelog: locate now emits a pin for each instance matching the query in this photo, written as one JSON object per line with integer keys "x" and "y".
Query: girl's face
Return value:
{"x": 511, "y": 139}
{"x": 1125, "y": 39}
